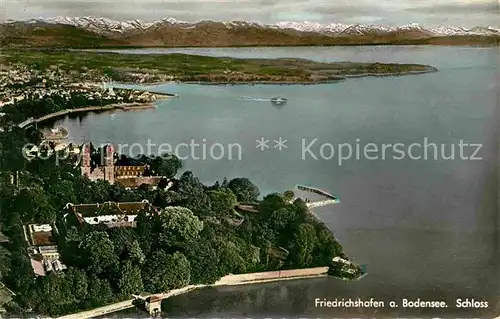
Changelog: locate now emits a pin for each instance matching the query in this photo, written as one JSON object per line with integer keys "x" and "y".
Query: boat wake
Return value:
{"x": 255, "y": 99}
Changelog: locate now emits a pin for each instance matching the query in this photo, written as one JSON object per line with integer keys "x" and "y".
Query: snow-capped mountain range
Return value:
{"x": 103, "y": 25}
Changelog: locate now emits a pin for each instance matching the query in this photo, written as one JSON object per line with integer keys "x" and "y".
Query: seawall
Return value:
{"x": 272, "y": 276}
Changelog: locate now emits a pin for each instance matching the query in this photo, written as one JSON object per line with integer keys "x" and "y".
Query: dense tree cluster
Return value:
{"x": 190, "y": 239}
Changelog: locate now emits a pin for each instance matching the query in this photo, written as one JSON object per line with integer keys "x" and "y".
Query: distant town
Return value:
{"x": 18, "y": 82}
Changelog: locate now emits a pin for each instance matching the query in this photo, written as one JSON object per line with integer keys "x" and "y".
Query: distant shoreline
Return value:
{"x": 262, "y": 82}
{"x": 344, "y": 78}
{"x": 477, "y": 44}
{"x": 312, "y": 82}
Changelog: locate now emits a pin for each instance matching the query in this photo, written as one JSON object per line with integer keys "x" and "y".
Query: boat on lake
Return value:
{"x": 279, "y": 100}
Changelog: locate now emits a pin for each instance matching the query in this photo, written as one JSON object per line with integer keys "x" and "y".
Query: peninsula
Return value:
{"x": 157, "y": 68}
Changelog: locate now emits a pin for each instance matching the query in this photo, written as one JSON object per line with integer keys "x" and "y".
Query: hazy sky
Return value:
{"x": 427, "y": 12}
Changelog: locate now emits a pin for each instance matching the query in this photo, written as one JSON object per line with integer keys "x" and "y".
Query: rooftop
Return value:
{"x": 110, "y": 208}
{"x": 112, "y": 220}
{"x": 132, "y": 182}
{"x": 42, "y": 238}
{"x": 154, "y": 298}
{"x": 41, "y": 235}
{"x": 127, "y": 170}
{"x": 37, "y": 267}
{"x": 47, "y": 249}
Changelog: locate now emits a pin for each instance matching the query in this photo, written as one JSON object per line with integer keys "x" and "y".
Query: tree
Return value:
{"x": 144, "y": 231}
{"x": 56, "y": 292}
{"x": 100, "y": 191}
{"x": 160, "y": 199}
{"x": 230, "y": 259}
{"x": 33, "y": 205}
{"x": 131, "y": 280}
{"x": 204, "y": 261}
{"x": 166, "y": 271}
{"x": 77, "y": 280}
{"x": 179, "y": 227}
{"x": 326, "y": 248}
{"x": 122, "y": 239}
{"x": 84, "y": 190}
{"x": 100, "y": 291}
{"x": 74, "y": 236}
{"x": 222, "y": 202}
{"x": 301, "y": 210}
{"x": 193, "y": 194}
{"x": 98, "y": 251}
{"x": 244, "y": 190}
{"x": 249, "y": 253}
{"x": 51, "y": 168}
{"x": 11, "y": 144}
{"x": 135, "y": 253}
{"x": 4, "y": 262}
{"x": 21, "y": 276}
{"x": 269, "y": 205}
{"x": 300, "y": 206}
{"x": 288, "y": 195}
{"x": 62, "y": 193}
{"x": 281, "y": 219}
{"x": 166, "y": 165}
{"x": 263, "y": 234}
{"x": 303, "y": 244}
{"x": 216, "y": 186}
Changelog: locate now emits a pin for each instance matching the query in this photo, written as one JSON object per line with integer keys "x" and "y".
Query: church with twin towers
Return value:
{"x": 126, "y": 176}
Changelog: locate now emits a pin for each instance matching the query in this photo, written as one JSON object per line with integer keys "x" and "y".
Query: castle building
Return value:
{"x": 125, "y": 176}
{"x": 105, "y": 172}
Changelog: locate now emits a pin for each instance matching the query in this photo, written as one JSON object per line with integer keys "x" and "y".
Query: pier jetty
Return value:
{"x": 302, "y": 190}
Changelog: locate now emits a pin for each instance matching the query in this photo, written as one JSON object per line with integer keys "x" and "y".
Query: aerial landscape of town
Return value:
{"x": 89, "y": 231}
{"x": 94, "y": 221}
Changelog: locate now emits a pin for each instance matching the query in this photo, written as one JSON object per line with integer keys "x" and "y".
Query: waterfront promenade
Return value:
{"x": 229, "y": 280}
{"x": 122, "y": 106}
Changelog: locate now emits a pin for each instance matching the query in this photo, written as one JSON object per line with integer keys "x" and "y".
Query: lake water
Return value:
{"x": 425, "y": 228}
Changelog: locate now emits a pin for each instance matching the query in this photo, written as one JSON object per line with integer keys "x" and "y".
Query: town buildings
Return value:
{"x": 43, "y": 252}
{"x": 42, "y": 248}
{"x": 18, "y": 82}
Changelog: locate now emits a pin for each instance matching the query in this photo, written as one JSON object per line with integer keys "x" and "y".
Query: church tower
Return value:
{"x": 109, "y": 165}
{"x": 85, "y": 161}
